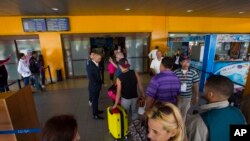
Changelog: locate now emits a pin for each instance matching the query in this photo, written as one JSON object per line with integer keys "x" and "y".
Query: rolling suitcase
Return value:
{"x": 117, "y": 122}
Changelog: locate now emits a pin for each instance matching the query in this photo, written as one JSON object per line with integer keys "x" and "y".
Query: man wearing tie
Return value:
{"x": 95, "y": 82}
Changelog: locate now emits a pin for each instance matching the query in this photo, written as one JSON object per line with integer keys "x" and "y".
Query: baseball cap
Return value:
{"x": 124, "y": 63}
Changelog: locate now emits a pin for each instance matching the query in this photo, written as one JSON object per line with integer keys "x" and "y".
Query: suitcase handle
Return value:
{"x": 113, "y": 111}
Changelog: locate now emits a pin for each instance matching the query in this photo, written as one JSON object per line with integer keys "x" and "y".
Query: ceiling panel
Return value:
{"x": 207, "y": 8}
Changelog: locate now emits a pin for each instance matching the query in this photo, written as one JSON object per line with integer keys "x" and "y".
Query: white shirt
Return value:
{"x": 23, "y": 68}
{"x": 177, "y": 60}
{"x": 152, "y": 54}
{"x": 96, "y": 63}
{"x": 155, "y": 65}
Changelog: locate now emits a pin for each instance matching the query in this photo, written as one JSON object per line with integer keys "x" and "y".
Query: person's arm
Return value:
{"x": 139, "y": 83}
{"x": 19, "y": 68}
{"x": 151, "y": 93}
{"x": 112, "y": 62}
{"x": 118, "y": 92}
{"x": 196, "y": 95}
{"x": 149, "y": 103}
{"x": 152, "y": 67}
{"x": 150, "y": 55}
{"x": 195, "y": 88}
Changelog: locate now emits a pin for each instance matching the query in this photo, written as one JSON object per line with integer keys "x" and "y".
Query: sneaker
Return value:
{"x": 43, "y": 86}
{"x": 90, "y": 103}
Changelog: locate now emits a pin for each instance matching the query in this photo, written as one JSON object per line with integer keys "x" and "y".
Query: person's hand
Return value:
{"x": 110, "y": 59}
{"x": 114, "y": 106}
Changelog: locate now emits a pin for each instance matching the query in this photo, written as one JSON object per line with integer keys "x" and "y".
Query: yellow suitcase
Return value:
{"x": 117, "y": 122}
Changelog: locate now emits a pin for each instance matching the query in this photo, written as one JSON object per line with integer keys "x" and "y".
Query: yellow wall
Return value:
{"x": 159, "y": 26}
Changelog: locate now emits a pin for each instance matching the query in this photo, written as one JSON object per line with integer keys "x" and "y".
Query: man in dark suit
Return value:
{"x": 95, "y": 82}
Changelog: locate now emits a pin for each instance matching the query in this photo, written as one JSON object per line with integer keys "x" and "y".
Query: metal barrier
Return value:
{"x": 18, "y": 81}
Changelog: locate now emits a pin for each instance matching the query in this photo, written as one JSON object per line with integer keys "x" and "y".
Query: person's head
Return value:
{"x": 218, "y": 88}
{"x": 22, "y": 56}
{"x": 34, "y": 54}
{"x": 61, "y": 128}
{"x": 166, "y": 63}
{"x": 156, "y": 47}
{"x": 96, "y": 56}
{"x": 178, "y": 52}
{"x": 119, "y": 56}
{"x": 185, "y": 62}
{"x": 29, "y": 52}
{"x": 165, "y": 123}
{"x": 158, "y": 54}
{"x": 123, "y": 64}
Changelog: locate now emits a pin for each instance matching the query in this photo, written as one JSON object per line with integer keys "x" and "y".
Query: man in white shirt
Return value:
{"x": 155, "y": 64}
{"x": 152, "y": 53}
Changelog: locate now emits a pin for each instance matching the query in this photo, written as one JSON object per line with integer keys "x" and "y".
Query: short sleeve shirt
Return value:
{"x": 190, "y": 77}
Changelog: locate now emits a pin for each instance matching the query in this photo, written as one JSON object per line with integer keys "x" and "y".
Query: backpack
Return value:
{"x": 138, "y": 130}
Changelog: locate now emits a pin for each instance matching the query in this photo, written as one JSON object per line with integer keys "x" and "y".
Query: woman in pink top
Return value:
{"x": 111, "y": 71}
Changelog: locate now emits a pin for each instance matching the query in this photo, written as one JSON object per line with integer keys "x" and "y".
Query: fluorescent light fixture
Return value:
{"x": 55, "y": 9}
{"x": 127, "y": 9}
{"x": 189, "y": 10}
{"x": 241, "y": 12}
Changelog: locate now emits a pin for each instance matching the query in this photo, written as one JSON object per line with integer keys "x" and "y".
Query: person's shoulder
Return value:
{"x": 177, "y": 71}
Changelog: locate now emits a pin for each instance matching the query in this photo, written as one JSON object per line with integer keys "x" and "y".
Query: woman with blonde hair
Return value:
{"x": 165, "y": 123}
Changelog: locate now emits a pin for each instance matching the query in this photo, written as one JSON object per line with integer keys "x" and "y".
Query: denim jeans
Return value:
{"x": 130, "y": 104}
{"x": 36, "y": 78}
{"x": 26, "y": 81}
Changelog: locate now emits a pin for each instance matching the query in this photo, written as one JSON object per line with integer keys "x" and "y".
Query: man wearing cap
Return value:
{"x": 127, "y": 84}
{"x": 189, "y": 86}
{"x": 95, "y": 83}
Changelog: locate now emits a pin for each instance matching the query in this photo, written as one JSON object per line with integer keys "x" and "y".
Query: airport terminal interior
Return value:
{"x": 56, "y": 56}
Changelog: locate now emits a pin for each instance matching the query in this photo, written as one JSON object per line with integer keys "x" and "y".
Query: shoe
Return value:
{"x": 90, "y": 103}
{"x": 97, "y": 117}
{"x": 43, "y": 86}
{"x": 100, "y": 111}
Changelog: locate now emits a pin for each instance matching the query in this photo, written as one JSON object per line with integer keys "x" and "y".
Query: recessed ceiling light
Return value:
{"x": 55, "y": 9}
{"x": 241, "y": 12}
{"x": 189, "y": 10}
{"x": 127, "y": 9}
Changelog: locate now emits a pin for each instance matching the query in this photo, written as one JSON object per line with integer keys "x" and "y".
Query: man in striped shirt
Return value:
{"x": 165, "y": 86}
{"x": 189, "y": 86}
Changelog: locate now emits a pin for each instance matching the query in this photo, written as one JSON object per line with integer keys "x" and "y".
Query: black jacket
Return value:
{"x": 34, "y": 66}
{"x": 95, "y": 82}
{"x": 3, "y": 75}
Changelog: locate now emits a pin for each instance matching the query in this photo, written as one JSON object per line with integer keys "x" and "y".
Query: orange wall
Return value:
{"x": 159, "y": 26}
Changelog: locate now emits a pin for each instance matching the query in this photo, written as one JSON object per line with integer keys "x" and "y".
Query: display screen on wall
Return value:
{"x": 34, "y": 24}
{"x": 57, "y": 24}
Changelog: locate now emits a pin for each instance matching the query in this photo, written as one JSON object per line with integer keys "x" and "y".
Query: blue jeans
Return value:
{"x": 2, "y": 89}
{"x": 36, "y": 78}
{"x": 26, "y": 81}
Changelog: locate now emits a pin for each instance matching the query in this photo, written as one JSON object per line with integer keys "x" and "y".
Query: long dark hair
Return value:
{"x": 60, "y": 128}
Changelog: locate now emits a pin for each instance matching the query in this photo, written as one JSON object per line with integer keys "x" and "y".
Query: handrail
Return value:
{"x": 18, "y": 81}
{"x": 214, "y": 74}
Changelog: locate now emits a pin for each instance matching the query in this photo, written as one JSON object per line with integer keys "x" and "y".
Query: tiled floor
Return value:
{"x": 71, "y": 97}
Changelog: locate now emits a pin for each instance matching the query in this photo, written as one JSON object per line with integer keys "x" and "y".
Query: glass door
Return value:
{"x": 76, "y": 54}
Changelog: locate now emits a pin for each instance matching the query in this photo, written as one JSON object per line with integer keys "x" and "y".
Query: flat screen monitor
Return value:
{"x": 34, "y": 24}
{"x": 57, "y": 24}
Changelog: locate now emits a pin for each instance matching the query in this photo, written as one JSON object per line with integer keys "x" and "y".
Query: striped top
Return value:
{"x": 164, "y": 87}
{"x": 189, "y": 78}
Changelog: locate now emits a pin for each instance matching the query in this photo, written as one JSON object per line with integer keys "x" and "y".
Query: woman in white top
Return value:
{"x": 23, "y": 69}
